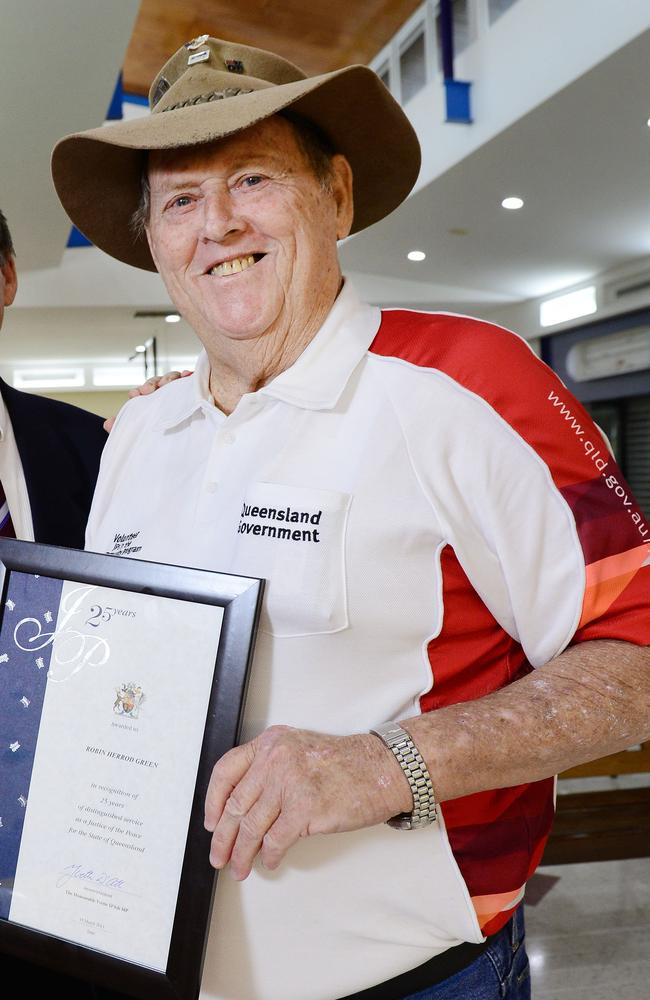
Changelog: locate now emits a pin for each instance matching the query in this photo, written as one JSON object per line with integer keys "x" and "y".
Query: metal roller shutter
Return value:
{"x": 637, "y": 449}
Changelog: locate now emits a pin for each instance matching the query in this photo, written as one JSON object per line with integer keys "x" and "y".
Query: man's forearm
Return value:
{"x": 290, "y": 783}
{"x": 592, "y": 700}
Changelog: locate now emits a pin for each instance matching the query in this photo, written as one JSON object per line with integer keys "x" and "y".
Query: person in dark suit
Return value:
{"x": 49, "y": 451}
{"x": 49, "y": 460}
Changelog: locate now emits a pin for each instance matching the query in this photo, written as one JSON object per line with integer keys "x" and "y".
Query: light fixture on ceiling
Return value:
{"x": 571, "y": 305}
{"x": 512, "y": 203}
{"x": 49, "y": 378}
{"x": 416, "y": 255}
{"x": 172, "y": 318}
{"x": 140, "y": 349}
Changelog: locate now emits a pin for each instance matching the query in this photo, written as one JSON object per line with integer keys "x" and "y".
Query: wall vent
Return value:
{"x": 634, "y": 288}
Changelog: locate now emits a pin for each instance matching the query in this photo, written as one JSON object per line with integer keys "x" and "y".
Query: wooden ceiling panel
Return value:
{"x": 317, "y": 37}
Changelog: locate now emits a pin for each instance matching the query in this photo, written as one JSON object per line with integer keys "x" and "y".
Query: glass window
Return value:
{"x": 413, "y": 69}
{"x": 461, "y": 28}
{"x": 498, "y": 7}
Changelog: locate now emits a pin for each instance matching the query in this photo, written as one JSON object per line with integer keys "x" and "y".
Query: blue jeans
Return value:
{"x": 500, "y": 973}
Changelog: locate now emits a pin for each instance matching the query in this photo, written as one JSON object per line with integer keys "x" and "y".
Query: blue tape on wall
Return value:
{"x": 457, "y": 94}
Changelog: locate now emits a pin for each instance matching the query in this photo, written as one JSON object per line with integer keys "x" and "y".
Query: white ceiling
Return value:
{"x": 581, "y": 162}
{"x": 59, "y": 61}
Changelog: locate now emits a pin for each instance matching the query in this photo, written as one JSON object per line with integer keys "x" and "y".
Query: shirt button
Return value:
{"x": 212, "y": 487}
{"x": 227, "y": 437}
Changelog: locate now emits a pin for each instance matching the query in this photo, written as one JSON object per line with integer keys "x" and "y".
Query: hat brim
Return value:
{"x": 97, "y": 174}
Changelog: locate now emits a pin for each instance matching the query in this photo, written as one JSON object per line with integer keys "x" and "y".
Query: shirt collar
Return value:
{"x": 4, "y": 419}
{"x": 317, "y": 378}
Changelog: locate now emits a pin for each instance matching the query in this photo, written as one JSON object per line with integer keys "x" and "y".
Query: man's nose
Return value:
{"x": 220, "y": 215}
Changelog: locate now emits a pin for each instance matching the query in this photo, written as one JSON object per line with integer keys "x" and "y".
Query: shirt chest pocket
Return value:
{"x": 294, "y": 537}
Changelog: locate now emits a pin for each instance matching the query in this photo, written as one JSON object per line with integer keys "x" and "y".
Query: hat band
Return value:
{"x": 214, "y": 95}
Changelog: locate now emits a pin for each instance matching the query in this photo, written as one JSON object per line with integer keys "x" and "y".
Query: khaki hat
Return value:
{"x": 210, "y": 89}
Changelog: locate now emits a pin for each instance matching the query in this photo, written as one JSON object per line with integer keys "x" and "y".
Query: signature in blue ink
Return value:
{"x": 89, "y": 875}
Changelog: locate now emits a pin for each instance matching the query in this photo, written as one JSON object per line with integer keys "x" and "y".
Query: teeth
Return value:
{"x": 233, "y": 266}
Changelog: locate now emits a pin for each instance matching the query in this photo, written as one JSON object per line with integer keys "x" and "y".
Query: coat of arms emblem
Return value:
{"x": 129, "y": 700}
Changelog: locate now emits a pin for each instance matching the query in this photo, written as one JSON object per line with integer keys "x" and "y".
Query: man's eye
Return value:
{"x": 252, "y": 180}
{"x": 182, "y": 201}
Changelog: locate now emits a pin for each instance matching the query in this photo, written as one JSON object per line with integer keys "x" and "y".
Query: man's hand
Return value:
{"x": 157, "y": 382}
{"x": 153, "y": 383}
{"x": 291, "y": 783}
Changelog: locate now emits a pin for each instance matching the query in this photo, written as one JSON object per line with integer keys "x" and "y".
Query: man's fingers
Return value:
{"x": 277, "y": 841}
{"x": 226, "y": 775}
{"x": 157, "y": 382}
{"x": 145, "y": 389}
{"x": 253, "y": 827}
{"x": 235, "y": 811}
{"x": 168, "y": 377}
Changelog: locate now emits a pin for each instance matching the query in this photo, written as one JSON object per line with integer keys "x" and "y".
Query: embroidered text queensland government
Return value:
{"x": 251, "y": 516}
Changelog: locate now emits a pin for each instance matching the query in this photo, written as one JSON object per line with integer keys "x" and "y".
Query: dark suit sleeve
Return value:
{"x": 60, "y": 447}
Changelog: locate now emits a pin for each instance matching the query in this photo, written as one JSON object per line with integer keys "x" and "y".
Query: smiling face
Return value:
{"x": 244, "y": 236}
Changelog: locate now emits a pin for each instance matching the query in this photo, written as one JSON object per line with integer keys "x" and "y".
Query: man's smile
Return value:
{"x": 234, "y": 265}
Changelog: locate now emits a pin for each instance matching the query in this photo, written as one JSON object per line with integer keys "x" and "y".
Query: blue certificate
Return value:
{"x": 104, "y": 698}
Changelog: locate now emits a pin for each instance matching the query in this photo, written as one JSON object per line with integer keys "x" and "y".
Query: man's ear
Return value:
{"x": 342, "y": 189}
{"x": 10, "y": 283}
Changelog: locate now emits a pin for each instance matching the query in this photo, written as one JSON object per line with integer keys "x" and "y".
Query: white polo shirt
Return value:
{"x": 345, "y": 483}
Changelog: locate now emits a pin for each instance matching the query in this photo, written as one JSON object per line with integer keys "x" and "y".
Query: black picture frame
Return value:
{"x": 240, "y": 597}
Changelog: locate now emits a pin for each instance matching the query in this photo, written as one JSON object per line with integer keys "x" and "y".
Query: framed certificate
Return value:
{"x": 121, "y": 683}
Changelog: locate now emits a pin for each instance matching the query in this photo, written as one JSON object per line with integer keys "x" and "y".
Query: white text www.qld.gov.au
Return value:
{"x": 602, "y": 461}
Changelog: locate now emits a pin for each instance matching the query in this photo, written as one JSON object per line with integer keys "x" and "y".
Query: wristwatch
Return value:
{"x": 412, "y": 763}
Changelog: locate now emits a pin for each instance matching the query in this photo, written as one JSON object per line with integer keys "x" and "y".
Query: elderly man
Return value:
{"x": 431, "y": 530}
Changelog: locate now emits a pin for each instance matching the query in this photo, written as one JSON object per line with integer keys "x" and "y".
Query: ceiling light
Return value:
{"x": 172, "y": 318}
{"x": 50, "y": 378}
{"x": 140, "y": 348}
{"x": 572, "y": 305}
{"x": 416, "y": 255}
{"x": 512, "y": 203}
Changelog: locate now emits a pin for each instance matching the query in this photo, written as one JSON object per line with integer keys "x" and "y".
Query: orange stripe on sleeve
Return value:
{"x": 608, "y": 578}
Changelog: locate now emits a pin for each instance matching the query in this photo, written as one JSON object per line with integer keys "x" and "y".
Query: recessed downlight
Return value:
{"x": 512, "y": 203}
{"x": 416, "y": 255}
{"x": 172, "y": 318}
{"x": 140, "y": 349}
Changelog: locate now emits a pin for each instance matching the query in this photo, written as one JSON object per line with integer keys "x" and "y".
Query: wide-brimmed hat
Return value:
{"x": 210, "y": 89}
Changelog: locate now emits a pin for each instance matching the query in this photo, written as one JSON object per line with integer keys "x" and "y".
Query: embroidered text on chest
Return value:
{"x": 251, "y": 519}
{"x": 123, "y": 544}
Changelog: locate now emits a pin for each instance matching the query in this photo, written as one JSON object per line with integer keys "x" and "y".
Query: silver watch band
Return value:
{"x": 412, "y": 763}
